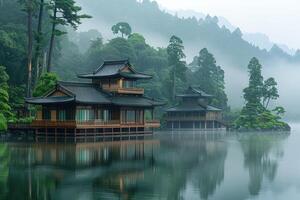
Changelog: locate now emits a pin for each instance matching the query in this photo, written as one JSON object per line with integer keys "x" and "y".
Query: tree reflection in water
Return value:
{"x": 200, "y": 161}
{"x": 210, "y": 169}
{"x": 166, "y": 167}
{"x": 261, "y": 154}
{"x": 4, "y": 170}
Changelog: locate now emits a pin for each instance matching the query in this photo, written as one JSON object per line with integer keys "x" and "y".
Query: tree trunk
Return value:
{"x": 38, "y": 52}
{"x": 174, "y": 85}
{"x": 52, "y": 40}
{"x": 268, "y": 103}
{"x": 29, "y": 50}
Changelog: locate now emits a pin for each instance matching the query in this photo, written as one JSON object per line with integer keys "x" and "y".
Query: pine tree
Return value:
{"x": 64, "y": 13}
{"x": 252, "y": 95}
{"x": 210, "y": 77}
{"x": 178, "y": 66}
{"x": 270, "y": 91}
{"x": 29, "y": 8}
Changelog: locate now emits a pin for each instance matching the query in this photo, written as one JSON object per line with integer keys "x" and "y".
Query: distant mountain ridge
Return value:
{"x": 258, "y": 39}
{"x": 158, "y": 26}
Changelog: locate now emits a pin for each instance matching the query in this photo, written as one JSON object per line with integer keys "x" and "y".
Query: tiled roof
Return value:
{"x": 87, "y": 93}
{"x": 194, "y": 92}
{"x": 114, "y": 69}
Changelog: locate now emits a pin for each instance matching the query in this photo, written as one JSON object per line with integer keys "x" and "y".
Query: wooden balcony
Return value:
{"x": 53, "y": 124}
{"x": 130, "y": 91}
{"x": 92, "y": 124}
{"x": 121, "y": 90}
{"x": 183, "y": 118}
{"x": 152, "y": 124}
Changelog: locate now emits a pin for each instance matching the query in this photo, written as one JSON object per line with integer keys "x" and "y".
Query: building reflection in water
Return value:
{"x": 47, "y": 171}
{"x": 160, "y": 168}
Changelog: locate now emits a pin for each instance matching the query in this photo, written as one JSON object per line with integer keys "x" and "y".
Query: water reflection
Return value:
{"x": 182, "y": 166}
{"x": 261, "y": 155}
{"x": 4, "y": 170}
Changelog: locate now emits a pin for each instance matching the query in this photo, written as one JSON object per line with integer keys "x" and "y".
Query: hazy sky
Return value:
{"x": 279, "y": 19}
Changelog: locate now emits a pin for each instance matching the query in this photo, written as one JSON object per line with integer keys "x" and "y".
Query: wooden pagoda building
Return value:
{"x": 109, "y": 104}
{"x": 194, "y": 112}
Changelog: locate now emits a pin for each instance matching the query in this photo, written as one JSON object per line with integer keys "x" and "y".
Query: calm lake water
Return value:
{"x": 179, "y": 166}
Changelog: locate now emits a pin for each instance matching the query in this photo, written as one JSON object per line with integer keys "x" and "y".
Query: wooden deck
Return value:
{"x": 83, "y": 131}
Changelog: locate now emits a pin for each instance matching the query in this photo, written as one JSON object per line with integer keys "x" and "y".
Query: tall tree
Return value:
{"x": 122, "y": 27}
{"x": 29, "y": 7}
{"x": 64, "y": 13}
{"x": 210, "y": 77}
{"x": 269, "y": 91}
{"x": 178, "y": 66}
{"x": 39, "y": 39}
{"x": 252, "y": 95}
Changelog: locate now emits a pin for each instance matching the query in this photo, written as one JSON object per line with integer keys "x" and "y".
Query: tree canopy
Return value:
{"x": 209, "y": 77}
{"x": 255, "y": 114}
{"x": 46, "y": 83}
{"x": 177, "y": 65}
{"x": 122, "y": 27}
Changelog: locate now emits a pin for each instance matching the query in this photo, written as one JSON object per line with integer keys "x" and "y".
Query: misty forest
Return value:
{"x": 42, "y": 41}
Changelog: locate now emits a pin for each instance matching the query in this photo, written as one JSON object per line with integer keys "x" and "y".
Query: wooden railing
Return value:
{"x": 98, "y": 123}
{"x": 152, "y": 123}
{"x": 91, "y": 124}
{"x": 182, "y": 118}
{"x": 131, "y": 90}
{"x": 49, "y": 123}
{"x": 124, "y": 90}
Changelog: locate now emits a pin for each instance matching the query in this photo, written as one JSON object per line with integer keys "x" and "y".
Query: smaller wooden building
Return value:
{"x": 194, "y": 112}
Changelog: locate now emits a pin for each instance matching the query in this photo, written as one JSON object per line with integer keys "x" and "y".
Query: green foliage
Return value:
{"x": 209, "y": 77}
{"x": 5, "y": 109}
{"x": 12, "y": 51}
{"x": 177, "y": 65}
{"x": 46, "y": 83}
{"x": 3, "y": 123}
{"x": 269, "y": 91}
{"x": 254, "y": 114}
{"x": 70, "y": 14}
{"x": 16, "y": 96}
{"x": 24, "y": 120}
{"x": 122, "y": 27}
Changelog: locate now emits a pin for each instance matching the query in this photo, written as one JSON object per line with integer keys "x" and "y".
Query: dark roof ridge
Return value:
{"x": 74, "y": 83}
{"x": 111, "y": 62}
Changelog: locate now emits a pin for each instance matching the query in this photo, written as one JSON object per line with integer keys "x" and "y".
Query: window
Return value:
{"x": 61, "y": 115}
{"x": 128, "y": 84}
{"x": 130, "y": 116}
{"x": 104, "y": 115}
{"x": 46, "y": 114}
{"x": 84, "y": 114}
